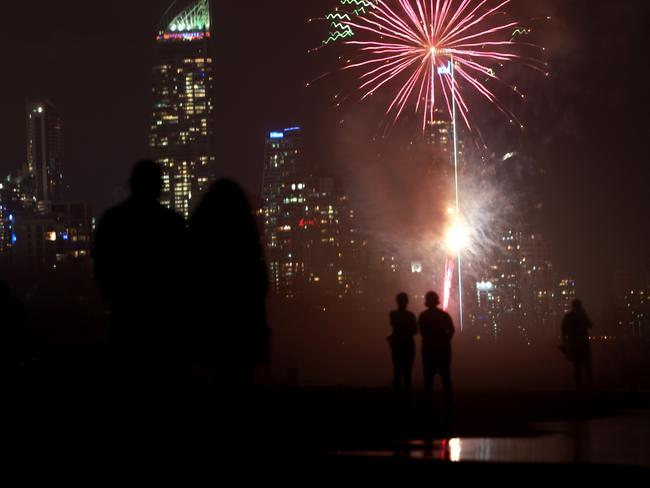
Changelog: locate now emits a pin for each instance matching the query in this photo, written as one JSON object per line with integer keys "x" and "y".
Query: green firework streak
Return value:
{"x": 339, "y": 19}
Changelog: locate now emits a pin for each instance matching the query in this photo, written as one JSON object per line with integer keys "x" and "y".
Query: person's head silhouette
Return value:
{"x": 402, "y": 301}
{"x": 576, "y": 305}
{"x": 432, "y": 300}
{"x": 230, "y": 198}
{"x": 146, "y": 180}
{"x": 225, "y": 205}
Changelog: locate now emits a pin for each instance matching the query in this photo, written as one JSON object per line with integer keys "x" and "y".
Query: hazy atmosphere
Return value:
{"x": 212, "y": 205}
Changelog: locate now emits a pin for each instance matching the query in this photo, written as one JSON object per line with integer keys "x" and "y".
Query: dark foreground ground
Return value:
{"x": 313, "y": 435}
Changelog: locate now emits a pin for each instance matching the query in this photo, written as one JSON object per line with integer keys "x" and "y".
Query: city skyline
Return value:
{"x": 564, "y": 148}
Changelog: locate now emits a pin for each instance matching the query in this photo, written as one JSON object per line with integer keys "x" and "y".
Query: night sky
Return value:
{"x": 586, "y": 123}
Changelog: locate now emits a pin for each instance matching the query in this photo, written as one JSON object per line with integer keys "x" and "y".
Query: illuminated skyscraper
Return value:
{"x": 439, "y": 147}
{"x": 313, "y": 244}
{"x": 283, "y": 167}
{"x": 42, "y": 182}
{"x": 182, "y": 129}
{"x": 538, "y": 287}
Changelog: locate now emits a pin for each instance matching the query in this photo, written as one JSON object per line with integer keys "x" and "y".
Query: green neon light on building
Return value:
{"x": 196, "y": 17}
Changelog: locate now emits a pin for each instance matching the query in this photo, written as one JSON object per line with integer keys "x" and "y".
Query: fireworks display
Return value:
{"x": 340, "y": 17}
{"x": 448, "y": 281}
{"x": 411, "y": 47}
{"x": 433, "y": 56}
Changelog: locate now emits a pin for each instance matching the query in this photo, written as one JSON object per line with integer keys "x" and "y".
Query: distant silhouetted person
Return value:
{"x": 575, "y": 343}
{"x": 11, "y": 322}
{"x": 137, "y": 254}
{"x": 402, "y": 344}
{"x": 230, "y": 286}
{"x": 437, "y": 330}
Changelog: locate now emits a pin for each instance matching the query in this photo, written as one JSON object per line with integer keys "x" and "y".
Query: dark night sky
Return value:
{"x": 587, "y": 124}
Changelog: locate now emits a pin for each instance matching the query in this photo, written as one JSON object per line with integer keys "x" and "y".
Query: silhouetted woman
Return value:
{"x": 230, "y": 286}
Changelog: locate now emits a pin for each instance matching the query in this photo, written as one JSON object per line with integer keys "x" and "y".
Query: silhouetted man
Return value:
{"x": 11, "y": 324}
{"x": 137, "y": 266}
{"x": 402, "y": 344}
{"x": 437, "y": 330}
{"x": 575, "y": 343}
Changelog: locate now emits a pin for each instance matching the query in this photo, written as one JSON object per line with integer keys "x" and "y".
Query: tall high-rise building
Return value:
{"x": 538, "y": 286}
{"x": 519, "y": 295}
{"x": 284, "y": 164}
{"x": 283, "y": 174}
{"x": 439, "y": 134}
{"x": 313, "y": 245}
{"x": 42, "y": 179}
{"x": 182, "y": 129}
{"x": 505, "y": 275}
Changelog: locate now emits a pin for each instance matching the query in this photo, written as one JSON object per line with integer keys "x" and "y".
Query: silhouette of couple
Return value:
{"x": 182, "y": 294}
{"x": 437, "y": 329}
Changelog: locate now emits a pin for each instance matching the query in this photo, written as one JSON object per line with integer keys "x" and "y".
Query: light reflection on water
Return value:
{"x": 546, "y": 449}
{"x": 620, "y": 440}
{"x": 555, "y": 449}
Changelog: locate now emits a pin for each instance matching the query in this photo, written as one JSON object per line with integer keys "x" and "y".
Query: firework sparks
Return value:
{"x": 432, "y": 54}
{"x": 411, "y": 45}
{"x": 449, "y": 279}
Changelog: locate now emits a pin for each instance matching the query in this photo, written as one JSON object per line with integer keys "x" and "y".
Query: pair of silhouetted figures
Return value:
{"x": 437, "y": 329}
{"x": 183, "y": 294}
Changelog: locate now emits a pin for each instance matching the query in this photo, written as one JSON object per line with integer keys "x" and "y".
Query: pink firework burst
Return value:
{"x": 431, "y": 50}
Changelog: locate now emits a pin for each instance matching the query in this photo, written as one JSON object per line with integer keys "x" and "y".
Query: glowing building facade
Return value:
{"x": 61, "y": 238}
{"x": 519, "y": 295}
{"x": 182, "y": 129}
{"x": 282, "y": 198}
{"x": 313, "y": 245}
{"x": 42, "y": 175}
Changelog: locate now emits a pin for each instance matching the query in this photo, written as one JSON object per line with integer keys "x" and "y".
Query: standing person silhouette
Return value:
{"x": 402, "y": 344}
{"x": 138, "y": 248}
{"x": 231, "y": 336}
{"x": 575, "y": 344}
{"x": 437, "y": 330}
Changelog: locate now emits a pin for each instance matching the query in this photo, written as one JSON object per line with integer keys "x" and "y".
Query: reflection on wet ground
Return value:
{"x": 621, "y": 440}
